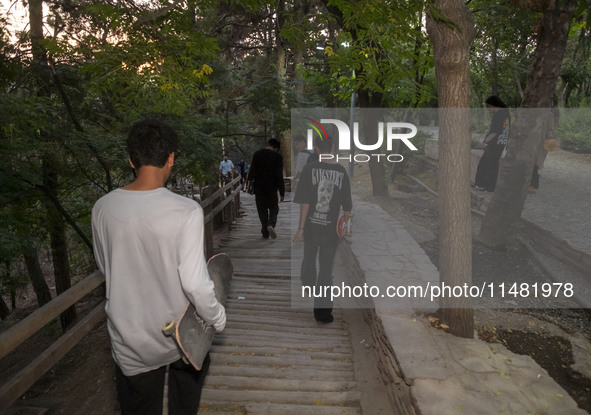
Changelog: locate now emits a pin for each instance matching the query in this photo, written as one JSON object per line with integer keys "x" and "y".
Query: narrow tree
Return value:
{"x": 36, "y": 275}
{"x": 516, "y": 168}
{"x": 450, "y": 26}
{"x": 50, "y": 165}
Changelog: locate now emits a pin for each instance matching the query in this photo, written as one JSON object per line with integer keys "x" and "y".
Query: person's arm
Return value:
{"x": 253, "y": 167}
{"x": 347, "y": 203}
{"x": 496, "y": 126}
{"x": 279, "y": 173}
{"x": 489, "y": 138}
{"x": 299, "y": 235}
{"x": 193, "y": 274}
{"x": 97, "y": 245}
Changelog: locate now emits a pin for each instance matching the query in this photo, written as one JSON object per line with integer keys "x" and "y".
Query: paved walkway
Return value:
{"x": 448, "y": 375}
{"x": 559, "y": 212}
{"x": 563, "y": 202}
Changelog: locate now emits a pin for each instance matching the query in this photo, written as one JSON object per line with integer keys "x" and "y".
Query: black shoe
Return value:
{"x": 329, "y": 319}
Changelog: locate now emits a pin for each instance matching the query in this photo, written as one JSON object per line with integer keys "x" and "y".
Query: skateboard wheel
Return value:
{"x": 168, "y": 328}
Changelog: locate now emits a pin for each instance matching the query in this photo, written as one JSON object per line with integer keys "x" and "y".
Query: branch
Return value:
{"x": 240, "y": 134}
{"x": 158, "y": 13}
{"x": 58, "y": 205}
{"x": 58, "y": 83}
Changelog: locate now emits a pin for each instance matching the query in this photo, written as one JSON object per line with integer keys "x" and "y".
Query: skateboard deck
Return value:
{"x": 344, "y": 226}
{"x": 193, "y": 335}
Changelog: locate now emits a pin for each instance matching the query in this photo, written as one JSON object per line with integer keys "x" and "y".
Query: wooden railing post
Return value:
{"x": 212, "y": 206}
{"x": 10, "y": 339}
{"x": 208, "y": 225}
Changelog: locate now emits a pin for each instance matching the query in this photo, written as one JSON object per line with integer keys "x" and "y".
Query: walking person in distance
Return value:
{"x": 266, "y": 175}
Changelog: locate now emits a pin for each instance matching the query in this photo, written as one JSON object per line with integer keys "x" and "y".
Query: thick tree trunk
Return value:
{"x": 36, "y": 275}
{"x": 525, "y": 135}
{"x": 451, "y": 50}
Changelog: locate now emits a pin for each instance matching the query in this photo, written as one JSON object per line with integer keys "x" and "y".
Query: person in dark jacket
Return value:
{"x": 266, "y": 174}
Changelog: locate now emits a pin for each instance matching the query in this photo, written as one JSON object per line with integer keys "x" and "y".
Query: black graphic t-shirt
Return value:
{"x": 326, "y": 188}
{"x": 499, "y": 125}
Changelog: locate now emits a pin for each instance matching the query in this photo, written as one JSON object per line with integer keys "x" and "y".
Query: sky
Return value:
{"x": 15, "y": 12}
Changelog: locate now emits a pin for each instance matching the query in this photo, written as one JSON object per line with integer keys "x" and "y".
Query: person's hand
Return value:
{"x": 299, "y": 236}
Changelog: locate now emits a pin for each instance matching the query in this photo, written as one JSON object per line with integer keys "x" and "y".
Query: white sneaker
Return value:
{"x": 272, "y": 232}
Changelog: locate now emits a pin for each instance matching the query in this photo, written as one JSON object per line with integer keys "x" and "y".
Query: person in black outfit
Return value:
{"x": 323, "y": 189}
{"x": 495, "y": 142}
{"x": 242, "y": 170}
{"x": 266, "y": 174}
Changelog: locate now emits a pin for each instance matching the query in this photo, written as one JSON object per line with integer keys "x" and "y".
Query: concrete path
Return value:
{"x": 562, "y": 203}
{"x": 446, "y": 374}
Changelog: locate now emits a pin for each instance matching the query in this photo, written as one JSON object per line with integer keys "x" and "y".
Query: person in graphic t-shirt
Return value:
{"x": 322, "y": 191}
{"x": 495, "y": 142}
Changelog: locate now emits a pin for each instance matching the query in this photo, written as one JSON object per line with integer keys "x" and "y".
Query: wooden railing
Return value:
{"x": 20, "y": 332}
{"x": 227, "y": 199}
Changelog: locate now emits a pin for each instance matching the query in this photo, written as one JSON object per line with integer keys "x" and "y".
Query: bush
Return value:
{"x": 574, "y": 130}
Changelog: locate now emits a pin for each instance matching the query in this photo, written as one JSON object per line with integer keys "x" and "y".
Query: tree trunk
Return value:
{"x": 36, "y": 275}
{"x": 58, "y": 239}
{"x": 4, "y": 310}
{"x": 366, "y": 99}
{"x": 55, "y": 222}
{"x": 495, "y": 83}
{"x": 301, "y": 9}
{"x": 451, "y": 51}
{"x": 526, "y": 132}
{"x": 377, "y": 170}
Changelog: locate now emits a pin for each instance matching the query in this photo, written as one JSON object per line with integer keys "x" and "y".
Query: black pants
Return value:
{"x": 321, "y": 245}
{"x": 488, "y": 168}
{"x": 143, "y": 394}
{"x": 268, "y": 209}
{"x": 535, "y": 178}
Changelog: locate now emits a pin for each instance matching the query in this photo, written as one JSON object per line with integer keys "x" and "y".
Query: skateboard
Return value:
{"x": 344, "y": 226}
{"x": 193, "y": 335}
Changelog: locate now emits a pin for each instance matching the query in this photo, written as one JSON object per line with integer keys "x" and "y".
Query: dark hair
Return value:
{"x": 150, "y": 143}
{"x": 299, "y": 138}
{"x": 274, "y": 143}
{"x": 324, "y": 145}
{"x": 495, "y": 101}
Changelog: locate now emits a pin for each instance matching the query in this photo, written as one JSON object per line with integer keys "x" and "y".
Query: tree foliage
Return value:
{"x": 225, "y": 74}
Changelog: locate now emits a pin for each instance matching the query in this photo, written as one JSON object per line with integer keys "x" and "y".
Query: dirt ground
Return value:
{"x": 557, "y": 339}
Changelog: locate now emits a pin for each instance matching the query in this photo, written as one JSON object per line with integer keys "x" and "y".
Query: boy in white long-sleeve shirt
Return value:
{"x": 148, "y": 242}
